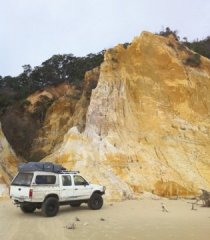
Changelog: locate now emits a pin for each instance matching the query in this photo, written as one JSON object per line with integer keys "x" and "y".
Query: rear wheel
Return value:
{"x": 95, "y": 202}
{"x": 75, "y": 204}
{"x": 27, "y": 208}
{"x": 50, "y": 207}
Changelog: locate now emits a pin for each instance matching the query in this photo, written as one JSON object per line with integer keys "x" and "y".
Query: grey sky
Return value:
{"x": 33, "y": 30}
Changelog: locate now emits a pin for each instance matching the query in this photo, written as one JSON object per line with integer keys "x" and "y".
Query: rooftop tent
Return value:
{"x": 40, "y": 166}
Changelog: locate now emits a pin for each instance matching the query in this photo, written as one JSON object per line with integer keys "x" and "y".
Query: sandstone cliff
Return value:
{"x": 147, "y": 126}
{"x": 139, "y": 123}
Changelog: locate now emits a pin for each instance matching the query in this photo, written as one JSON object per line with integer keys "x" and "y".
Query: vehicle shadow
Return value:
{"x": 63, "y": 210}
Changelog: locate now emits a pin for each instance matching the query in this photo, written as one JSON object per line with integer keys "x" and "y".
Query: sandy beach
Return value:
{"x": 133, "y": 219}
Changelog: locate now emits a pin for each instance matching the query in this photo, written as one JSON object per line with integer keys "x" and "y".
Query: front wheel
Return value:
{"x": 50, "y": 207}
{"x": 95, "y": 202}
{"x": 27, "y": 208}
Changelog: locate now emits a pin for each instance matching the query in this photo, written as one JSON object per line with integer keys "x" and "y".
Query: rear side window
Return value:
{"x": 23, "y": 179}
{"x": 45, "y": 179}
{"x": 66, "y": 180}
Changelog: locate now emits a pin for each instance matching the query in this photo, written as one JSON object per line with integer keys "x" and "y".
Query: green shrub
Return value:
{"x": 167, "y": 32}
{"x": 193, "y": 60}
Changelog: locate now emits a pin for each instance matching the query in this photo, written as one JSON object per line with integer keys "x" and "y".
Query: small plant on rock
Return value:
{"x": 193, "y": 60}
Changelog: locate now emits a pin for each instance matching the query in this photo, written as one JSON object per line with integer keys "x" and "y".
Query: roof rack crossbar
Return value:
{"x": 69, "y": 171}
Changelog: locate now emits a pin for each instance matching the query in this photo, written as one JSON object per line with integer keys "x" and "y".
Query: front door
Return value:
{"x": 82, "y": 189}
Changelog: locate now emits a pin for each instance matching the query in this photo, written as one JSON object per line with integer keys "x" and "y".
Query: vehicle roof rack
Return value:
{"x": 69, "y": 171}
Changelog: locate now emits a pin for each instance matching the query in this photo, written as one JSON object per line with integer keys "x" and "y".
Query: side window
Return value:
{"x": 66, "y": 180}
{"x": 45, "y": 179}
{"x": 78, "y": 181}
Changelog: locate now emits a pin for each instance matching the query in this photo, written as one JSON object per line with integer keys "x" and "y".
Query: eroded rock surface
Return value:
{"x": 67, "y": 111}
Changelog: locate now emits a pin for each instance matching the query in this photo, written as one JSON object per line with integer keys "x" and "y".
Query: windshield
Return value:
{"x": 23, "y": 179}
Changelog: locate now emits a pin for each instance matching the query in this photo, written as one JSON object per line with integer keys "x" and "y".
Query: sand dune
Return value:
{"x": 134, "y": 219}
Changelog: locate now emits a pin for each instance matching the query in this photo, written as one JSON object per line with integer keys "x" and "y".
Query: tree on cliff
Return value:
{"x": 55, "y": 70}
{"x": 202, "y": 47}
{"x": 167, "y": 32}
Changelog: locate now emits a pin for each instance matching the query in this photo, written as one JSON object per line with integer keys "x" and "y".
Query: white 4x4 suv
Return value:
{"x": 49, "y": 190}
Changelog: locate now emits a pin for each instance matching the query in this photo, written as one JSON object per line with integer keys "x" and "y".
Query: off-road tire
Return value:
{"x": 50, "y": 207}
{"x": 95, "y": 202}
{"x": 27, "y": 208}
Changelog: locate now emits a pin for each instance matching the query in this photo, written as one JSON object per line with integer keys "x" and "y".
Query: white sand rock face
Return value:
{"x": 3, "y": 190}
{"x": 8, "y": 164}
{"x": 147, "y": 126}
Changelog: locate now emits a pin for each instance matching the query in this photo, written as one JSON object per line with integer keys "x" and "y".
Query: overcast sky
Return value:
{"x": 31, "y": 31}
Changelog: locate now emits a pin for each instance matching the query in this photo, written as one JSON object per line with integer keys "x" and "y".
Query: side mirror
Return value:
{"x": 86, "y": 183}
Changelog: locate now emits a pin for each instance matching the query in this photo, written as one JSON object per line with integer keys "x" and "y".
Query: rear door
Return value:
{"x": 44, "y": 184}
{"x": 20, "y": 186}
{"x": 67, "y": 188}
